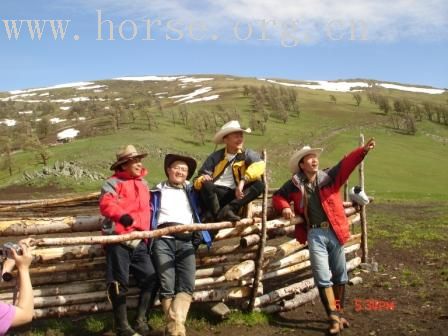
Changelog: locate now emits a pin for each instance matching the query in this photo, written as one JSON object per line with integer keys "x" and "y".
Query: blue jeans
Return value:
{"x": 175, "y": 262}
{"x": 327, "y": 258}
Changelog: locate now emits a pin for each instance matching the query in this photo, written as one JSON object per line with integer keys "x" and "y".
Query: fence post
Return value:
{"x": 262, "y": 244}
{"x": 364, "y": 247}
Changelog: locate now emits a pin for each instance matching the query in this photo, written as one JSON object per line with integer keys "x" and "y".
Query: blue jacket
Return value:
{"x": 156, "y": 199}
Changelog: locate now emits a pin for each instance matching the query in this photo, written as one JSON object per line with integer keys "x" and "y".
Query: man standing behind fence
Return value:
{"x": 316, "y": 197}
{"x": 125, "y": 204}
{"x": 173, "y": 203}
{"x": 230, "y": 177}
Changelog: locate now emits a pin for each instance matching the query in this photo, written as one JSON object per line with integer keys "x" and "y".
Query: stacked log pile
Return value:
{"x": 68, "y": 272}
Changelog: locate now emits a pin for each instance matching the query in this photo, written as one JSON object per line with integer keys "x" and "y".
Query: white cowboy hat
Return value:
{"x": 125, "y": 154}
{"x": 297, "y": 156}
{"x": 230, "y": 127}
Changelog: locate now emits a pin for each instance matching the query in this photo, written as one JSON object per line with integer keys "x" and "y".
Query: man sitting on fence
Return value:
{"x": 315, "y": 194}
{"x": 125, "y": 202}
{"x": 230, "y": 177}
{"x": 173, "y": 203}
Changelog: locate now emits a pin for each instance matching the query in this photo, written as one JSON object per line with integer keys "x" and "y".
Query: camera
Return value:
{"x": 5, "y": 250}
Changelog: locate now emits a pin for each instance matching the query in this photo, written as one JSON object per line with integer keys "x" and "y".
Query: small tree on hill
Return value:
{"x": 333, "y": 99}
{"x": 358, "y": 98}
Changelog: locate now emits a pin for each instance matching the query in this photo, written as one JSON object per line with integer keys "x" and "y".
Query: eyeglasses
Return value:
{"x": 180, "y": 168}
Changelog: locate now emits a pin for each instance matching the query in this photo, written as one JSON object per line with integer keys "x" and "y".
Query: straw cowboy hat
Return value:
{"x": 125, "y": 154}
{"x": 190, "y": 162}
{"x": 299, "y": 155}
{"x": 230, "y": 127}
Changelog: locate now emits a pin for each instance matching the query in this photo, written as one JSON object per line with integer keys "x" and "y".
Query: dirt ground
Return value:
{"x": 413, "y": 281}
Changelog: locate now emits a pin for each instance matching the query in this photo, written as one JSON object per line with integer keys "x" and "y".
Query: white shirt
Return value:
{"x": 174, "y": 206}
{"x": 226, "y": 179}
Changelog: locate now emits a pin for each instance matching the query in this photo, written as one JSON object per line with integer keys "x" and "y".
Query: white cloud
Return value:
{"x": 384, "y": 19}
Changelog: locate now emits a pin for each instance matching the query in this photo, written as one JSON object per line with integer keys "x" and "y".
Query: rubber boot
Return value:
{"x": 118, "y": 299}
{"x": 141, "y": 322}
{"x": 329, "y": 302}
{"x": 210, "y": 202}
{"x": 228, "y": 213}
{"x": 169, "y": 316}
{"x": 180, "y": 308}
{"x": 339, "y": 295}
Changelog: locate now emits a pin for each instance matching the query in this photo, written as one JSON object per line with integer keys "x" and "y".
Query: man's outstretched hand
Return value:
{"x": 369, "y": 145}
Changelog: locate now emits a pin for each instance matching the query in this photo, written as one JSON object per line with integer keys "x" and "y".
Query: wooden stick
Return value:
{"x": 141, "y": 234}
{"x": 364, "y": 245}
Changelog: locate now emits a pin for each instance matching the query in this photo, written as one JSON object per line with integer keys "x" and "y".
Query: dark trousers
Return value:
{"x": 122, "y": 260}
{"x": 210, "y": 191}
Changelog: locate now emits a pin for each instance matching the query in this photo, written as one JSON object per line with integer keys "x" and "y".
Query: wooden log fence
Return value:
{"x": 68, "y": 270}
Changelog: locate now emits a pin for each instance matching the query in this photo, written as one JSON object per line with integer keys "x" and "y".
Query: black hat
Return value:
{"x": 191, "y": 163}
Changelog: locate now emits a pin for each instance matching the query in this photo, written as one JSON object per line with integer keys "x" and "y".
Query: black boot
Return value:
{"x": 141, "y": 323}
{"x": 210, "y": 202}
{"x": 227, "y": 213}
{"x": 122, "y": 327}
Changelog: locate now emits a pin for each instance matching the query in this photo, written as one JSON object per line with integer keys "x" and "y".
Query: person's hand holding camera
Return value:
{"x": 24, "y": 258}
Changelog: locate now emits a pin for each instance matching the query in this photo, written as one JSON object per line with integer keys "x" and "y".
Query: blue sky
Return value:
{"x": 402, "y": 40}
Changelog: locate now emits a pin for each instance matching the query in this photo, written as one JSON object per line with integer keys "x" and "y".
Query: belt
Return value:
{"x": 321, "y": 225}
{"x": 184, "y": 236}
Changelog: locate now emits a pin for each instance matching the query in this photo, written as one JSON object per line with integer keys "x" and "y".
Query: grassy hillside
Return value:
{"x": 402, "y": 166}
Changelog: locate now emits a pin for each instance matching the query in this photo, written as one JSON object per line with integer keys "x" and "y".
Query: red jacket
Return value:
{"x": 329, "y": 182}
{"x": 122, "y": 194}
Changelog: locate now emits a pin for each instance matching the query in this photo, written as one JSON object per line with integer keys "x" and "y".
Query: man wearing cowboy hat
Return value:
{"x": 230, "y": 177}
{"x": 316, "y": 197}
{"x": 124, "y": 203}
{"x": 173, "y": 202}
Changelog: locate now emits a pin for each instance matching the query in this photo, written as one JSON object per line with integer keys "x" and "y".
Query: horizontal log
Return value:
{"x": 50, "y": 202}
{"x": 249, "y": 240}
{"x": 63, "y": 289}
{"x": 299, "y": 300}
{"x": 292, "y": 259}
{"x": 224, "y": 259}
{"x": 288, "y": 248}
{"x": 278, "y": 294}
{"x": 67, "y": 253}
{"x": 224, "y": 249}
{"x": 37, "y": 226}
{"x": 75, "y": 266}
{"x": 281, "y": 232}
{"x": 286, "y": 270}
{"x": 240, "y": 270}
{"x": 56, "y": 278}
{"x": 113, "y": 239}
{"x": 212, "y": 271}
